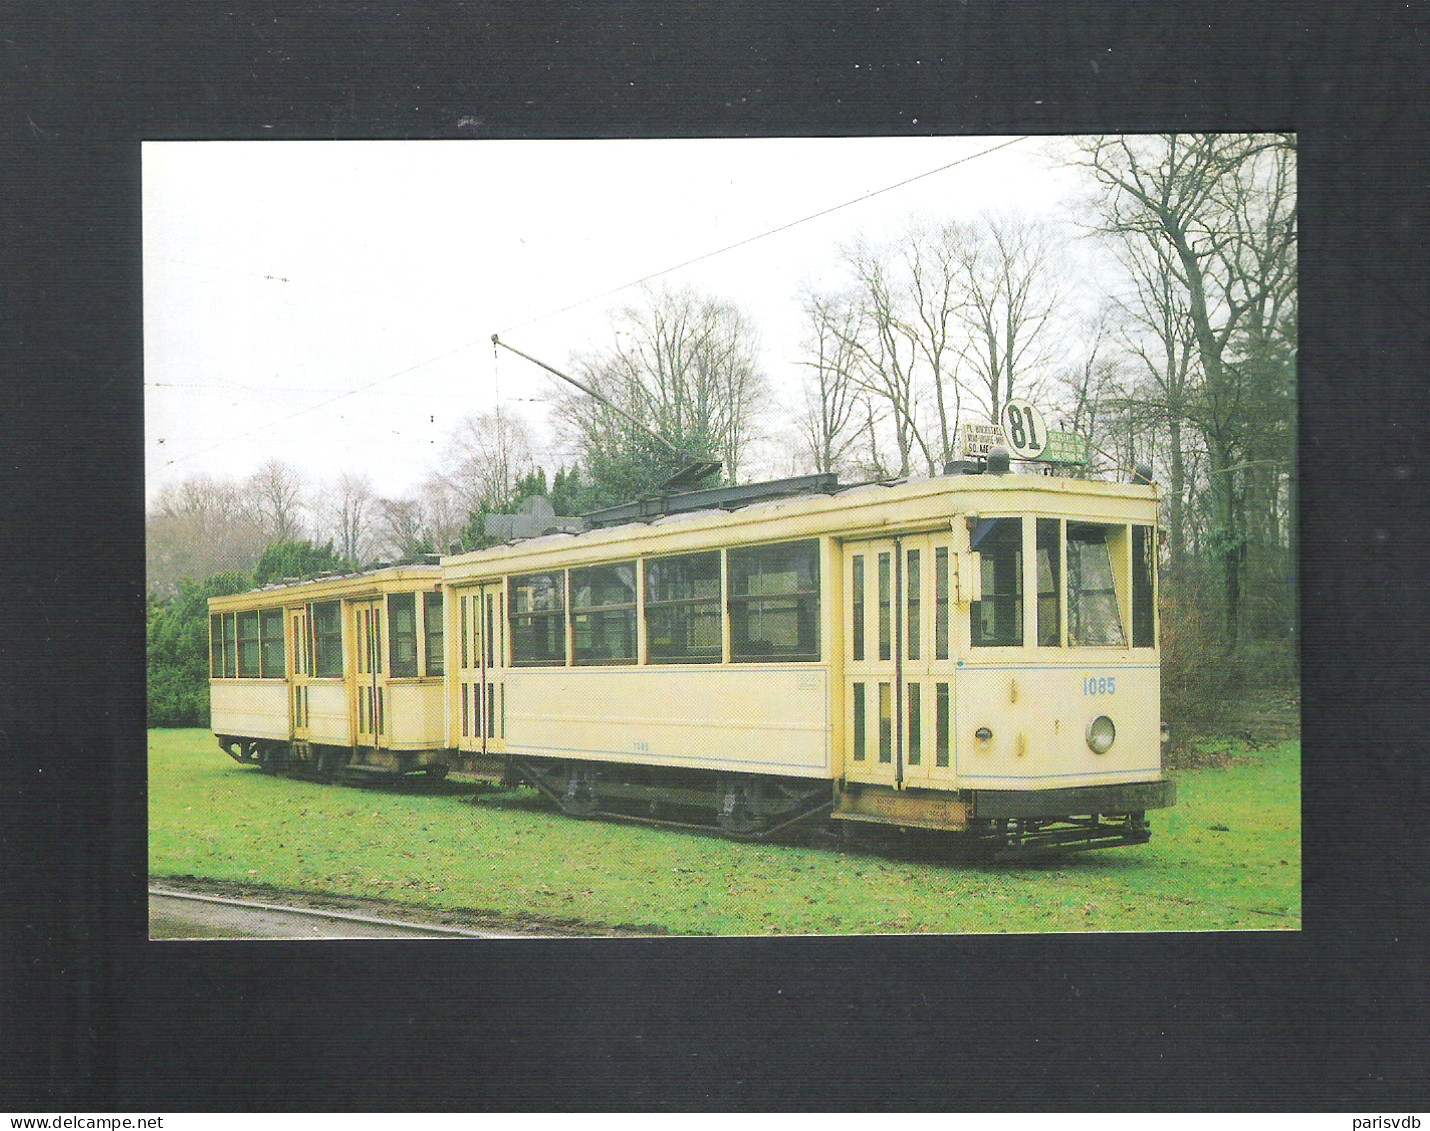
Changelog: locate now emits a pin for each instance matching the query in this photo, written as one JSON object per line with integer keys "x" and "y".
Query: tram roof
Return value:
{"x": 333, "y": 585}
{"x": 820, "y": 511}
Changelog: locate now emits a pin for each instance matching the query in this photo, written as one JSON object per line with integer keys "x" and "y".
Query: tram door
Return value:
{"x": 300, "y": 652}
{"x": 371, "y": 684}
{"x": 482, "y": 623}
{"x": 899, "y": 660}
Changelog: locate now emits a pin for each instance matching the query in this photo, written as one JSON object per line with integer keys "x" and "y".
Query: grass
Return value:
{"x": 1228, "y": 857}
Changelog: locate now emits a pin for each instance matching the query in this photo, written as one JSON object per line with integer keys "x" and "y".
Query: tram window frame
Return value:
{"x": 1048, "y": 549}
{"x": 942, "y": 603}
{"x": 677, "y": 609}
{"x": 913, "y": 601}
{"x": 433, "y": 634}
{"x": 1082, "y": 598}
{"x": 216, "y": 646}
{"x": 326, "y": 622}
{"x": 402, "y": 635}
{"x": 272, "y": 646}
{"x": 1000, "y": 555}
{"x": 250, "y": 660}
{"x": 603, "y": 631}
{"x": 1144, "y": 586}
{"x": 750, "y": 569}
{"x": 230, "y": 645}
{"x": 529, "y": 620}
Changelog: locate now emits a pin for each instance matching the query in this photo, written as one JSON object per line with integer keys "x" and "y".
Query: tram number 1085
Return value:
{"x": 1100, "y": 685}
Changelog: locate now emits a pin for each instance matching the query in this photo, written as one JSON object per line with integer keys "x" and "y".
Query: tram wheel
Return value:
{"x": 272, "y": 757}
{"x": 737, "y": 805}
{"x": 330, "y": 760}
{"x": 578, "y": 790}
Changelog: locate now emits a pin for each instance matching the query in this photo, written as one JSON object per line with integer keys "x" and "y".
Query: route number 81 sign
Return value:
{"x": 1023, "y": 429}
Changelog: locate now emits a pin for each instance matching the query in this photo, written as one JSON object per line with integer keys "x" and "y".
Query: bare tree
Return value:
{"x": 349, "y": 509}
{"x": 684, "y": 365}
{"x": 886, "y": 352}
{"x": 1220, "y": 210}
{"x": 403, "y": 527}
{"x": 443, "y": 514}
{"x": 276, "y": 490}
{"x": 829, "y": 421}
{"x": 198, "y": 528}
{"x": 486, "y": 455}
{"x": 1158, "y": 333}
{"x": 933, "y": 260}
{"x": 1009, "y": 288}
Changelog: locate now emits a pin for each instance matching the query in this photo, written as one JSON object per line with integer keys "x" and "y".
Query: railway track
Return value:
{"x": 187, "y": 915}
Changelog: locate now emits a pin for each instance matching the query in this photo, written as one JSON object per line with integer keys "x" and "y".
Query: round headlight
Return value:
{"x": 1100, "y": 734}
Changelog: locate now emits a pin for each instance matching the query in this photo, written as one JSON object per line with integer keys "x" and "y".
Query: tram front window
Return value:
{"x": 997, "y": 620}
{"x": 1094, "y": 618}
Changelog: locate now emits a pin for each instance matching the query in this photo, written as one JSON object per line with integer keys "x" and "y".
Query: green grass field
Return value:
{"x": 1228, "y": 857}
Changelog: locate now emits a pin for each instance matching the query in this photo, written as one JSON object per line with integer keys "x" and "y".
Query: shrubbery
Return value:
{"x": 178, "y": 651}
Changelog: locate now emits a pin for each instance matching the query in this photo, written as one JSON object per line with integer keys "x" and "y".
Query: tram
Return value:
{"x": 337, "y": 673}
{"x": 975, "y": 653}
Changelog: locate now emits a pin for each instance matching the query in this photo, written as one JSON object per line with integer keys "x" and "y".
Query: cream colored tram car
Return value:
{"x": 974, "y": 653}
{"x": 338, "y": 673}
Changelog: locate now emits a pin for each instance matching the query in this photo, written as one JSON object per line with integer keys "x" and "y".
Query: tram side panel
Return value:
{"x": 329, "y": 716}
{"x": 250, "y": 708}
{"x": 761, "y": 720}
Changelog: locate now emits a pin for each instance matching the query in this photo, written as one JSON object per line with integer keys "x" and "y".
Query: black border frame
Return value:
{"x": 1331, "y": 1018}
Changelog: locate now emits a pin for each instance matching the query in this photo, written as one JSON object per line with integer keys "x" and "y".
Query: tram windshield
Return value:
{"x": 1081, "y": 569}
{"x": 1093, "y": 615}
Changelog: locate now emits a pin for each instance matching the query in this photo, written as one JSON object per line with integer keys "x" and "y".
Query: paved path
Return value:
{"x": 178, "y": 915}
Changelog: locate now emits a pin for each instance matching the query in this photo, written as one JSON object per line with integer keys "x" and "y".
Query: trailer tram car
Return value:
{"x": 975, "y": 653}
{"x": 336, "y": 674}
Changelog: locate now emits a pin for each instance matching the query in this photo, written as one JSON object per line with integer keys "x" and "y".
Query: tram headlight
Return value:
{"x": 1100, "y": 734}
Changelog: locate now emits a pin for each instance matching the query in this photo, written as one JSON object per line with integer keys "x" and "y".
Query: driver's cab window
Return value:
{"x": 997, "y": 619}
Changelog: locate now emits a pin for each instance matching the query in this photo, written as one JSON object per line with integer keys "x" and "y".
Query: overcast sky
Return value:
{"x": 331, "y": 304}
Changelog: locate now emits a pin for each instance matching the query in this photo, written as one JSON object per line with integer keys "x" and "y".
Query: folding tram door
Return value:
{"x": 300, "y": 664}
{"x": 480, "y": 682}
{"x": 369, "y": 678}
{"x": 899, "y": 661}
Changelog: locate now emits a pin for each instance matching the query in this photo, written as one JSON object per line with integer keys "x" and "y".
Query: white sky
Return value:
{"x": 331, "y": 304}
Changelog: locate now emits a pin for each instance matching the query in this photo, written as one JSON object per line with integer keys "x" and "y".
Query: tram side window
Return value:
{"x": 774, "y": 602}
{"x": 682, "y": 609}
{"x": 433, "y": 632}
{"x": 603, "y": 614}
{"x": 271, "y": 646}
{"x": 216, "y": 646}
{"x": 997, "y": 620}
{"x": 248, "y": 658}
{"x": 402, "y": 634}
{"x": 230, "y": 645}
{"x": 1144, "y": 615}
{"x": 328, "y": 639}
{"x": 1094, "y": 618}
{"x": 1050, "y": 633}
{"x": 538, "y": 619}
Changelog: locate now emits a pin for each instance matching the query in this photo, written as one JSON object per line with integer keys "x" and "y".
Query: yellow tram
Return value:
{"x": 975, "y": 653}
{"x": 338, "y": 673}
{"x": 972, "y": 652}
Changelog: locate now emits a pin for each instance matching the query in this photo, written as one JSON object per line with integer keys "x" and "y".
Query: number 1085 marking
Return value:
{"x": 1100, "y": 685}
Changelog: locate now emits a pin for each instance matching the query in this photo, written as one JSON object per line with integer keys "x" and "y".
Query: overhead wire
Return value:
{"x": 763, "y": 235}
{"x": 589, "y": 299}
